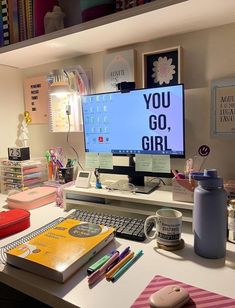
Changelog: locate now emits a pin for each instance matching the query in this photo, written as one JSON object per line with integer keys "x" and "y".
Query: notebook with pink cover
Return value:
{"x": 32, "y": 198}
{"x": 199, "y": 298}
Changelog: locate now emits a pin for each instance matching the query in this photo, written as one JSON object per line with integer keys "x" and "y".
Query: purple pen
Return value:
{"x": 121, "y": 256}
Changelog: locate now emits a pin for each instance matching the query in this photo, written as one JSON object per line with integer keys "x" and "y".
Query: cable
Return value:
{"x": 68, "y": 114}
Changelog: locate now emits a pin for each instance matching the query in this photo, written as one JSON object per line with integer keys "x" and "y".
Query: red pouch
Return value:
{"x": 13, "y": 221}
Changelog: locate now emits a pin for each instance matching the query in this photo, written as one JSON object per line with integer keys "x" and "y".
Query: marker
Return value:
{"x": 121, "y": 256}
{"x": 127, "y": 265}
{"x": 101, "y": 271}
{"x": 177, "y": 174}
{"x": 94, "y": 267}
{"x": 109, "y": 275}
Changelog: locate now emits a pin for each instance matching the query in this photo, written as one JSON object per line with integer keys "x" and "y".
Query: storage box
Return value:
{"x": 182, "y": 190}
{"x": 21, "y": 175}
{"x": 32, "y": 198}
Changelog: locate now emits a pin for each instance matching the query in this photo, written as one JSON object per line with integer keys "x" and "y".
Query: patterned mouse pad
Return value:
{"x": 199, "y": 298}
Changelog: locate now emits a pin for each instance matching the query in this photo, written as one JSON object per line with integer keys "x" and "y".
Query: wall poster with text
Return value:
{"x": 223, "y": 108}
{"x": 118, "y": 67}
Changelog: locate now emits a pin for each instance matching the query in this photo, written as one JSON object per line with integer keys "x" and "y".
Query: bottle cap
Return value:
{"x": 209, "y": 178}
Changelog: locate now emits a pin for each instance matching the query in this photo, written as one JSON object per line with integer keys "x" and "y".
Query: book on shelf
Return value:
{"x": 28, "y": 6}
{"x": 13, "y": 21}
{"x": 59, "y": 250}
{"x": 5, "y": 23}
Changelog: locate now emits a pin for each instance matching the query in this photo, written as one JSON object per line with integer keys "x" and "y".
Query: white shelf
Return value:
{"x": 124, "y": 202}
{"x": 160, "y": 18}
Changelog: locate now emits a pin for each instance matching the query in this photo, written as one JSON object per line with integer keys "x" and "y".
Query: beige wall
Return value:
{"x": 11, "y": 105}
{"x": 207, "y": 55}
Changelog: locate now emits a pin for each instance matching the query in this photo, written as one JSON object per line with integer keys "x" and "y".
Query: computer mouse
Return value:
{"x": 171, "y": 296}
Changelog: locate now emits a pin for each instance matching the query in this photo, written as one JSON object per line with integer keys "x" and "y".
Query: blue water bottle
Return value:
{"x": 210, "y": 215}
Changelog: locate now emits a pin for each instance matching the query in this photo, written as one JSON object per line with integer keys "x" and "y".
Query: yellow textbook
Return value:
{"x": 60, "y": 251}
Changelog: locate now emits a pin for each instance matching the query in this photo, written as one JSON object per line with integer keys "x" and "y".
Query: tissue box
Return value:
{"x": 182, "y": 190}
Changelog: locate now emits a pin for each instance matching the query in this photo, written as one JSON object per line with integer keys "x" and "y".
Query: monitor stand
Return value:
{"x": 123, "y": 185}
{"x": 139, "y": 182}
{"x": 147, "y": 188}
{"x": 141, "y": 186}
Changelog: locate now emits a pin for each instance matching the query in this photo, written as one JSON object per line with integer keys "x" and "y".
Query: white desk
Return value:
{"x": 183, "y": 265}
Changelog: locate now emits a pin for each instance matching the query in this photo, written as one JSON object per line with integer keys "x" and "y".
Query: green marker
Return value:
{"x": 99, "y": 263}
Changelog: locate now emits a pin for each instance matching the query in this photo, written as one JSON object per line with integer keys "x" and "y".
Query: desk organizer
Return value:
{"x": 183, "y": 190}
{"x": 21, "y": 175}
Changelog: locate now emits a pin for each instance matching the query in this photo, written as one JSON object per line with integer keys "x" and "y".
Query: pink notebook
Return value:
{"x": 32, "y": 198}
{"x": 199, "y": 298}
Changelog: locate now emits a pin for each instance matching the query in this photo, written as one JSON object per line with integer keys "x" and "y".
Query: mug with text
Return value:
{"x": 168, "y": 223}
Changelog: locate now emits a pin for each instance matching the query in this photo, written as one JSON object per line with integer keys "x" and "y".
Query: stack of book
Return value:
{"x": 22, "y": 19}
{"x": 57, "y": 250}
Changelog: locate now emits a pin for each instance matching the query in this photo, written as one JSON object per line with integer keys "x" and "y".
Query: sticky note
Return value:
{"x": 106, "y": 160}
{"x": 161, "y": 163}
{"x": 92, "y": 160}
{"x": 143, "y": 162}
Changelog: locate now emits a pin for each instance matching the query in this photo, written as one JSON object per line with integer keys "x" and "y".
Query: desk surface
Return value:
{"x": 183, "y": 265}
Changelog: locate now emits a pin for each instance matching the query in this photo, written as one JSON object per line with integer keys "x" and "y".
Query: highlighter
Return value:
{"x": 99, "y": 263}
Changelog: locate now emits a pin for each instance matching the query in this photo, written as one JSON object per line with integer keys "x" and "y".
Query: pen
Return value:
{"x": 124, "y": 253}
{"x": 127, "y": 265}
{"x": 121, "y": 256}
{"x": 97, "y": 274}
{"x": 119, "y": 265}
{"x": 91, "y": 269}
{"x": 177, "y": 174}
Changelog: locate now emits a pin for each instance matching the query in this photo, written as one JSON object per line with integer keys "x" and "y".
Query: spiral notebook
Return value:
{"x": 58, "y": 249}
{"x": 199, "y": 298}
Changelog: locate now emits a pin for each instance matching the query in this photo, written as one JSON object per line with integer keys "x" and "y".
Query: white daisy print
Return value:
{"x": 163, "y": 70}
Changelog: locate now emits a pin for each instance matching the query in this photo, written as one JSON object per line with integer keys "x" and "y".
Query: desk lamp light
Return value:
{"x": 59, "y": 85}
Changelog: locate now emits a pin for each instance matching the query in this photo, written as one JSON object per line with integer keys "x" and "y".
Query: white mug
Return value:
{"x": 168, "y": 224}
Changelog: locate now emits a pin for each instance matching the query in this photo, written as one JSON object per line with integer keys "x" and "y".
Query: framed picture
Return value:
{"x": 223, "y": 108}
{"x": 118, "y": 67}
{"x": 162, "y": 67}
{"x": 36, "y": 99}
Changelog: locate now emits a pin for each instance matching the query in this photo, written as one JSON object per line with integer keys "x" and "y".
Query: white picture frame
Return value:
{"x": 223, "y": 108}
{"x": 118, "y": 67}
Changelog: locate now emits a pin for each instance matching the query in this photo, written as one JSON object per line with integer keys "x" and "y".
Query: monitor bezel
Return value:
{"x": 125, "y": 91}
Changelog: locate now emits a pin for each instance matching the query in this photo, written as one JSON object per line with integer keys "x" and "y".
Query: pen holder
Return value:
{"x": 182, "y": 190}
{"x": 65, "y": 175}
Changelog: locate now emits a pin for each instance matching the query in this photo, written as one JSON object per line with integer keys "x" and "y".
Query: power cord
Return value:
{"x": 68, "y": 112}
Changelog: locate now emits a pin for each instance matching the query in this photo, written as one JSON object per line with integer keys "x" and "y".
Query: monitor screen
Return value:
{"x": 143, "y": 121}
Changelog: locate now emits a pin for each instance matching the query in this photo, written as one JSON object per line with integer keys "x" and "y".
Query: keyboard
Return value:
{"x": 126, "y": 227}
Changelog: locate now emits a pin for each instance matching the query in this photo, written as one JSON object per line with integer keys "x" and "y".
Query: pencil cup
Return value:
{"x": 65, "y": 175}
{"x": 168, "y": 223}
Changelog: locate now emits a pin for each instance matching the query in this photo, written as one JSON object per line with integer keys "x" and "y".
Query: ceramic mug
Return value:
{"x": 168, "y": 224}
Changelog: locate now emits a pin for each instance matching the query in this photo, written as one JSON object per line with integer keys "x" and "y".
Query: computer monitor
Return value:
{"x": 142, "y": 121}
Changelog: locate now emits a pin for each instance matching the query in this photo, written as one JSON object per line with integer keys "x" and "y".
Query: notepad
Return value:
{"x": 60, "y": 250}
{"x": 199, "y": 298}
